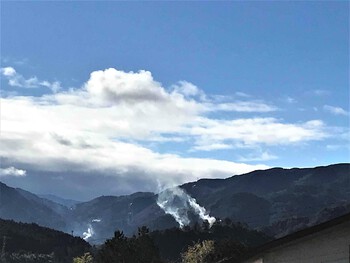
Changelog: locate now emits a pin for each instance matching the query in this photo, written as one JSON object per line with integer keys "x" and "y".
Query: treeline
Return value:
{"x": 22, "y": 242}
{"x": 172, "y": 242}
{"x": 139, "y": 248}
{"x": 225, "y": 241}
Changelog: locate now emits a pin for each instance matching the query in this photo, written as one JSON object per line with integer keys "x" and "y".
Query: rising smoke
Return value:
{"x": 90, "y": 231}
{"x": 177, "y": 203}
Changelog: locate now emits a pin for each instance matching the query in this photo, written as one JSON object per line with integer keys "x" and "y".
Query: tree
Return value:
{"x": 114, "y": 250}
{"x": 209, "y": 251}
{"x": 86, "y": 258}
{"x": 145, "y": 247}
{"x": 228, "y": 251}
{"x": 136, "y": 249}
{"x": 202, "y": 252}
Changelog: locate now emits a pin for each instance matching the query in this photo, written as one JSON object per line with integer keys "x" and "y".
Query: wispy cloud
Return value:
{"x": 15, "y": 61}
{"x": 242, "y": 106}
{"x": 335, "y": 110}
{"x": 212, "y": 147}
{"x": 17, "y": 80}
{"x": 263, "y": 156}
{"x": 290, "y": 100}
{"x": 257, "y": 132}
{"x": 242, "y": 94}
{"x": 320, "y": 92}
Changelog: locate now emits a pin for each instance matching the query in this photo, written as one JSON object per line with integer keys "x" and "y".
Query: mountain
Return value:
{"x": 59, "y": 200}
{"x": 260, "y": 199}
{"x": 23, "y": 206}
{"x": 105, "y": 214}
{"x": 263, "y": 198}
{"x": 23, "y": 242}
{"x": 276, "y": 200}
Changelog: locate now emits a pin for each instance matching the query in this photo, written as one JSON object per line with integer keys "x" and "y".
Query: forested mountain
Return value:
{"x": 261, "y": 198}
{"x": 276, "y": 200}
{"x": 23, "y": 242}
{"x": 291, "y": 198}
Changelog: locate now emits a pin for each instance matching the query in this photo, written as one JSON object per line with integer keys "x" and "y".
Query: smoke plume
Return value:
{"x": 177, "y": 203}
{"x": 90, "y": 231}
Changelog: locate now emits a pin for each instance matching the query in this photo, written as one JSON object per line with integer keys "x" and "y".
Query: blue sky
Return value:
{"x": 194, "y": 89}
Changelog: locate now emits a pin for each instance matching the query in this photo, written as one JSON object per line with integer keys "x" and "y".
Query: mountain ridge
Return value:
{"x": 263, "y": 199}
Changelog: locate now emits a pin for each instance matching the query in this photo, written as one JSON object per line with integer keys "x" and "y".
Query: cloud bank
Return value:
{"x": 106, "y": 124}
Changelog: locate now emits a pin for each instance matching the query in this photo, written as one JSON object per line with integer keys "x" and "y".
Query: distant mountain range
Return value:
{"x": 59, "y": 200}
{"x": 277, "y": 201}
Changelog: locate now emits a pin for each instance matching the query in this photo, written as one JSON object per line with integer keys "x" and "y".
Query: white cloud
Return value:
{"x": 113, "y": 158}
{"x": 17, "y": 80}
{"x": 263, "y": 156}
{"x": 8, "y": 72}
{"x": 212, "y": 147}
{"x": 290, "y": 100}
{"x": 85, "y": 129}
{"x": 257, "y": 131}
{"x": 320, "y": 92}
{"x": 335, "y": 110}
{"x": 113, "y": 86}
{"x": 335, "y": 147}
{"x": 242, "y": 94}
{"x": 188, "y": 89}
{"x": 54, "y": 86}
{"x": 7, "y": 60}
{"x": 242, "y": 106}
{"x": 12, "y": 171}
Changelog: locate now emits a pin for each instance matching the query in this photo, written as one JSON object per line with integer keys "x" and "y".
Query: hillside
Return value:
{"x": 23, "y": 206}
{"x": 260, "y": 199}
{"x": 31, "y": 243}
{"x": 263, "y": 197}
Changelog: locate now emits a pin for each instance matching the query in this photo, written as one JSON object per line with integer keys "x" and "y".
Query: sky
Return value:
{"x": 110, "y": 98}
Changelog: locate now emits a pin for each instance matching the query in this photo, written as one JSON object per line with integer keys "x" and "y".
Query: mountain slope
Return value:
{"x": 105, "y": 214}
{"x": 58, "y": 200}
{"x": 24, "y": 206}
{"x": 260, "y": 199}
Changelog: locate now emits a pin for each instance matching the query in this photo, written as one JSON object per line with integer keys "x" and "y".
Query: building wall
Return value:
{"x": 330, "y": 245}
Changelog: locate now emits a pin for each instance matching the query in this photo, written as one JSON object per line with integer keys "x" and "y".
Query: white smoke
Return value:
{"x": 201, "y": 212}
{"x": 177, "y": 203}
{"x": 90, "y": 231}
